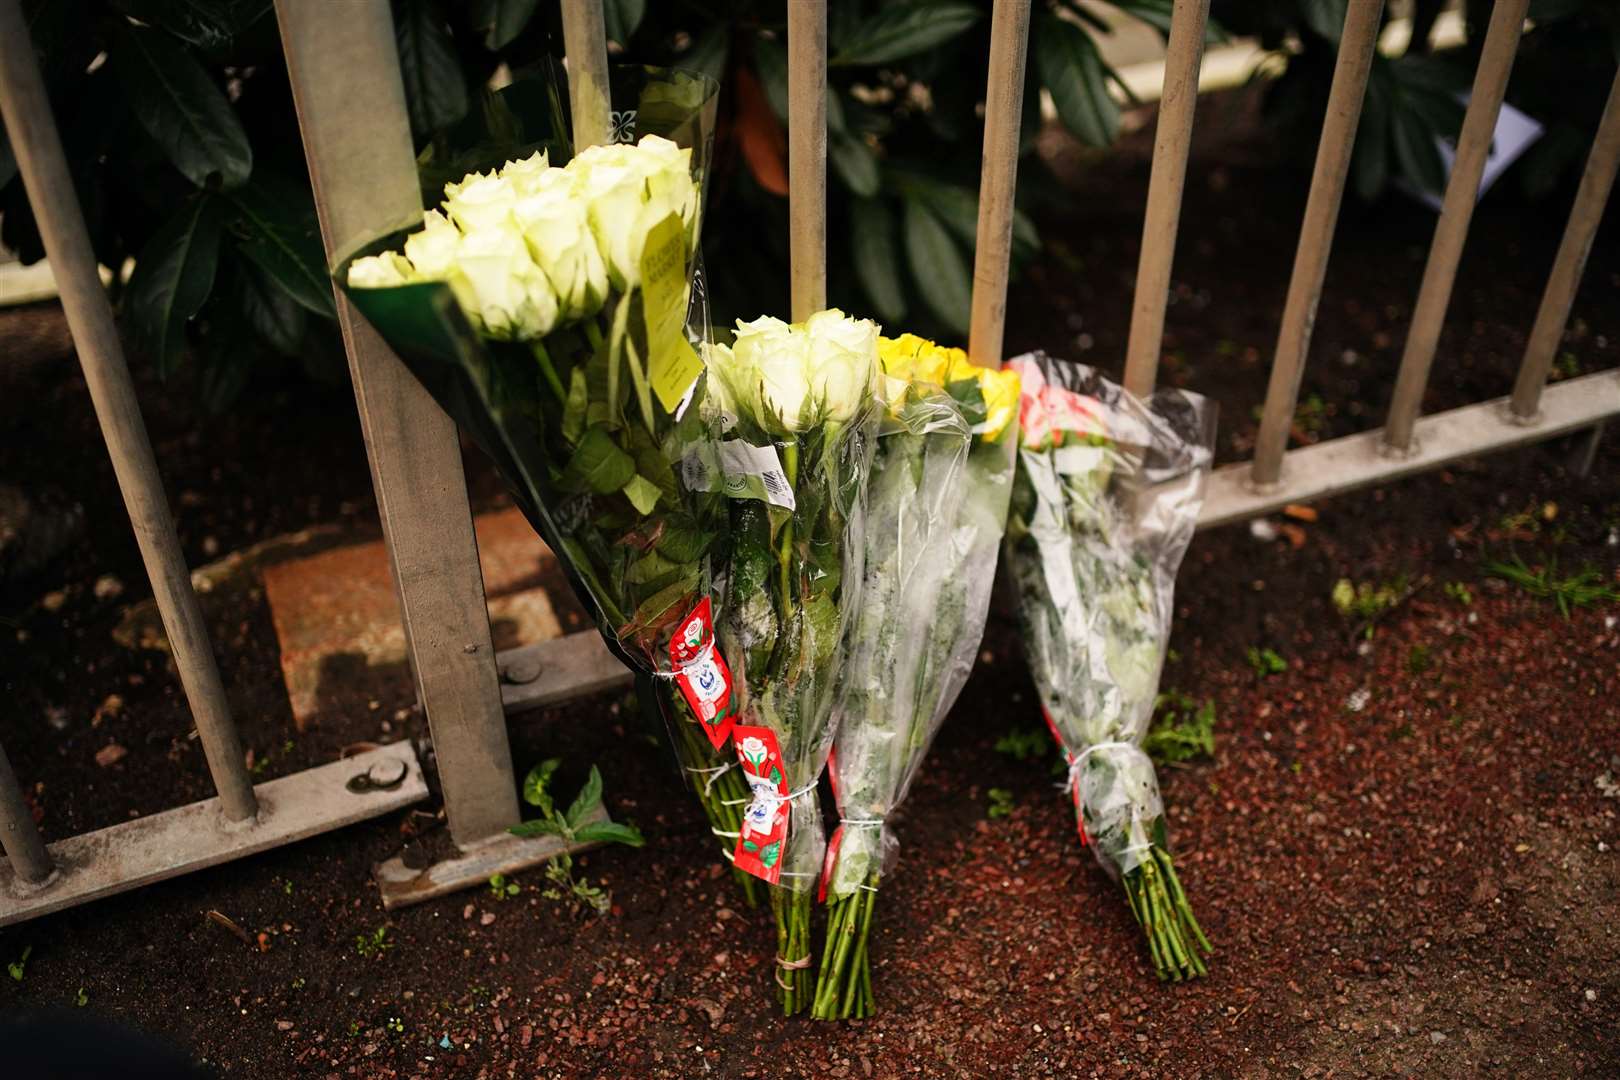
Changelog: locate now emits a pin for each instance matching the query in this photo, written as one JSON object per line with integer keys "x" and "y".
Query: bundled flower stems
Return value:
{"x": 1105, "y": 502}
{"x": 546, "y": 309}
{"x": 795, "y": 404}
{"x": 936, "y": 509}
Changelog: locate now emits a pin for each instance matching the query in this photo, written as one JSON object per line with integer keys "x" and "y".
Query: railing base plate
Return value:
{"x": 403, "y": 885}
{"x": 165, "y": 845}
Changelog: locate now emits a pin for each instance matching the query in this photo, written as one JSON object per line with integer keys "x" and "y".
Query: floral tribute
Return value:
{"x": 936, "y": 510}
{"x": 1105, "y": 502}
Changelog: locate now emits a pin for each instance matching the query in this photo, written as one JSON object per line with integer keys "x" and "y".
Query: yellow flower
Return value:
{"x": 1000, "y": 390}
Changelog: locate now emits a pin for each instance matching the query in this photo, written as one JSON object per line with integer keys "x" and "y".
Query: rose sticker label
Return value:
{"x": 702, "y": 675}
{"x": 765, "y": 821}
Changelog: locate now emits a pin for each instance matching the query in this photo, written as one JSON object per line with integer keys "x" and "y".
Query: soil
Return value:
{"x": 1403, "y": 846}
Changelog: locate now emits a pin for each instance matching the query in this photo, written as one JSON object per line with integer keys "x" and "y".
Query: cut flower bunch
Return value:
{"x": 796, "y": 406}
{"x": 546, "y": 308}
{"x": 1105, "y": 502}
{"x": 936, "y": 509}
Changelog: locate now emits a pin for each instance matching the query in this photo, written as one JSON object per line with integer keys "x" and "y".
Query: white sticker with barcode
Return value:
{"x": 755, "y": 472}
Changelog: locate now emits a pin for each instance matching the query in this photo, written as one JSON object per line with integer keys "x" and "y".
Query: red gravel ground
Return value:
{"x": 1403, "y": 847}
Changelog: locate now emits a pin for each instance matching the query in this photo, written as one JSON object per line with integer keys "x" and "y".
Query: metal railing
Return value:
{"x": 346, "y": 83}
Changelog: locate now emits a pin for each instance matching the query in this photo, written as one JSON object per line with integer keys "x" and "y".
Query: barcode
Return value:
{"x": 776, "y": 486}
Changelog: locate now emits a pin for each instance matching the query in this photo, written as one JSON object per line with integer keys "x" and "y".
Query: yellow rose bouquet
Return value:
{"x": 936, "y": 509}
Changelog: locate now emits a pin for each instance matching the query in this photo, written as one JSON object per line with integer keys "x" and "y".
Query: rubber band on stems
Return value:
{"x": 1078, "y": 762}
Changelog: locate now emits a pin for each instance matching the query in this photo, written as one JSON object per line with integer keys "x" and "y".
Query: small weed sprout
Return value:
{"x": 19, "y": 967}
{"x": 503, "y": 888}
{"x": 1459, "y": 592}
{"x": 1182, "y": 729}
{"x": 1581, "y": 589}
{"x": 573, "y": 826}
{"x": 1265, "y": 661}
{"x": 373, "y": 943}
{"x": 1001, "y": 803}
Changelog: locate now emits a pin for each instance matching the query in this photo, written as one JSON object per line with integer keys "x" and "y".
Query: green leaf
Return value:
{"x": 1074, "y": 72}
{"x": 771, "y": 853}
{"x": 642, "y": 493}
{"x": 501, "y": 21}
{"x": 1370, "y": 160}
{"x": 855, "y": 163}
{"x": 588, "y": 799}
{"x": 277, "y": 228}
{"x": 650, "y": 567}
{"x": 937, "y": 266}
{"x": 899, "y": 30}
{"x": 573, "y": 422}
{"x": 621, "y": 18}
{"x": 598, "y": 464}
{"x": 681, "y": 545}
{"x": 610, "y": 832}
{"x": 1416, "y": 150}
{"x": 209, "y": 24}
{"x": 877, "y": 260}
{"x": 1324, "y": 17}
{"x": 435, "y": 89}
{"x": 709, "y": 51}
{"x": 173, "y": 276}
{"x": 269, "y": 310}
{"x": 176, "y": 101}
{"x": 770, "y": 58}
{"x": 958, "y": 208}
{"x": 537, "y": 785}
{"x": 1156, "y": 13}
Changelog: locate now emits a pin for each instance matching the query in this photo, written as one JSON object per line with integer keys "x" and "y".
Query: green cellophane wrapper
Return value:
{"x": 1105, "y": 502}
{"x": 568, "y": 440}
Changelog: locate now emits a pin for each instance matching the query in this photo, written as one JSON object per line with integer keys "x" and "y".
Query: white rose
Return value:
{"x": 511, "y": 297}
{"x": 480, "y": 202}
{"x": 628, "y": 190}
{"x": 432, "y": 251}
{"x": 560, "y": 240}
{"x": 380, "y": 271}
{"x": 525, "y": 175}
{"x": 720, "y": 396}
{"x": 843, "y": 362}
{"x": 778, "y": 358}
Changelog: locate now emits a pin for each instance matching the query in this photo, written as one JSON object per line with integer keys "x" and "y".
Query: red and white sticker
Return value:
{"x": 764, "y": 830}
{"x": 702, "y": 675}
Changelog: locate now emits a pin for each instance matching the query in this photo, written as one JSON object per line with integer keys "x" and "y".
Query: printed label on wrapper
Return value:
{"x": 765, "y": 821}
{"x": 702, "y": 675}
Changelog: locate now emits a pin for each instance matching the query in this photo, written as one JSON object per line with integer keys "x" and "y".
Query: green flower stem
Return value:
{"x": 549, "y": 370}
{"x": 638, "y": 377}
{"x": 792, "y": 909}
{"x": 784, "y": 550}
{"x": 722, "y": 800}
{"x": 844, "y": 986}
{"x": 593, "y": 333}
{"x": 1175, "y": 940}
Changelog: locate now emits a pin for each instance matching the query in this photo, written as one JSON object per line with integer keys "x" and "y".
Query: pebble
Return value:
{"x": 1437, "y": 1037}
{"x": 486, "y": 918}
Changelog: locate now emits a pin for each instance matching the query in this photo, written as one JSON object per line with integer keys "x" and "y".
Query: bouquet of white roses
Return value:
{"x": 936, "y": 510}
{"x": 1105, "y": 502}
{"x": 546, "y": 308}
{"x": 796, "y": 405}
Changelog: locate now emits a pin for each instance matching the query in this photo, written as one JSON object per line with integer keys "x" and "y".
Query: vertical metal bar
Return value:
{"x": 351, "y": 109}
{"x": 1462, "y": 192}
{"x": 585, "y": 38}
{"x": 38, "y": 148}
{"x": 1171, "y": 144}
{"x": 998, "y": 179}
{"x": 807, "y": 154}
{"x": 18, "y": 834}
{"x": 1356, "y": 45}
{"x": 1596, "y": 183}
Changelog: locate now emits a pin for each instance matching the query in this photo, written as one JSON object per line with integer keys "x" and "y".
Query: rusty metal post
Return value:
{"x": 998, "y": 179}
{"x": 1462, "y": 192}
{"x": 1171, "y": 144}
{"x": 1356, "y": 45}
{"x": 38, "y": 148}
{"x": 807, "y": 155}
{"x": 18, "y": 834}
{"x": 1596, "y": 183}
{"x": 351, "y": 109}
{"x": 585, "y": 38}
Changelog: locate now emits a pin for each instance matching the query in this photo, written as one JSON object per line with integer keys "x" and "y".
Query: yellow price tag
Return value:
{"x": 672, "y": 365}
